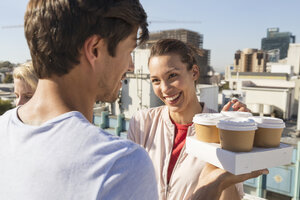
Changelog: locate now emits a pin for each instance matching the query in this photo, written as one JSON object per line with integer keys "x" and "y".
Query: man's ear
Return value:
{"x": 91, "y": 48}
{"x": 196, "y": 72}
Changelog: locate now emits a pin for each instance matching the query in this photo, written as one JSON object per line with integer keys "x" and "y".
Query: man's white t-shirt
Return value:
{"x": 69, "y": 158}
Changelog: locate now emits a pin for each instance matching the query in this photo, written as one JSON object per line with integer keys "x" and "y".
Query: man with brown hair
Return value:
{"x": 81, "y": 50}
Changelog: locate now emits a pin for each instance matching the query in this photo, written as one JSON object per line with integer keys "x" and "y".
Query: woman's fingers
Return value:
{"x": 236, "y": 106}
{"x": 227, "y": 106}
{"x": 239, "y": 106}
{"x": 227, "y": 179}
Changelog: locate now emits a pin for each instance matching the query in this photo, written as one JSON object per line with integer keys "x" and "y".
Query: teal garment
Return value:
{"x": 69, "y": 158}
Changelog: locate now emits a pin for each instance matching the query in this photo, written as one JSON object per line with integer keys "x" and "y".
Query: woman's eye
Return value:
{"x": 172, "y": 75}
{"x": 28, "y": 97}
{"x": 154, "y": 80}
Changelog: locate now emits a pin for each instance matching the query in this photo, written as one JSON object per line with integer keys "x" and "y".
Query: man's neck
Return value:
{"x": 54, "y": 97}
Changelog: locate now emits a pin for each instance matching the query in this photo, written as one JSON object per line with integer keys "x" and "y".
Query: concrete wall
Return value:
{"x": 280, "y": 99}
{"x": 293, "y": 57}
{"x": 281, "y": 68}
{"x": 140, "y": 60}
{"x": 209, "y": 95}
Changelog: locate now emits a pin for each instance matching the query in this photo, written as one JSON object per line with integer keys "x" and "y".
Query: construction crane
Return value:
{"x": 13, "y": 26}
{"x": 174, "y": 22}
{"x": 150, "y": 22}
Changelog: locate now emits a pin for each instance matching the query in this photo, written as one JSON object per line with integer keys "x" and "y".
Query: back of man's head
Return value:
{"x": 57, "y": 29}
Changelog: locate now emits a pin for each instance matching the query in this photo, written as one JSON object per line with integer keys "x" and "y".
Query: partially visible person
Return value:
{"x": 25, "y": 83}
{"x": 162, "y": 131}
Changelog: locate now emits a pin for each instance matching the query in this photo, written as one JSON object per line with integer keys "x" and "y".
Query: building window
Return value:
{"x": 259, "y": 57}
{"x": 237, "y": 57}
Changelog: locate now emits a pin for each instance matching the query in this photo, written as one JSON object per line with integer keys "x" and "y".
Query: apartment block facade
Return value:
{"x": 250, "y": 60}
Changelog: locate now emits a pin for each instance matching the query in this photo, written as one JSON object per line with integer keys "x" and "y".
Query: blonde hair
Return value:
{"x": 26, "y": 73}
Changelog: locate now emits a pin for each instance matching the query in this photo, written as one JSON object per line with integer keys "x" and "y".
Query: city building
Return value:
{"x": 277, "y": 40}
{"x": 2, "y": 76}
{"x": 268, "y": 93}
{"x": 7, "y": 92}
{"x": 293, "y": 57}
{"x": 273, "y": 55}
{"x": 184, "y": 35}
{"x": 250, "y": 60}
{"x": 290, "y": 64}
{"x": 206, "y": 70}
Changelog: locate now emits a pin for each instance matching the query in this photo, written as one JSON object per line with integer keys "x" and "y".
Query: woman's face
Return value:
{"x": 22, "y": 91}
{"x": 172, "y": 82}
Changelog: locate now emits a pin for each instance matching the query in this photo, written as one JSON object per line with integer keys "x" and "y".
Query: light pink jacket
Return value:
{"x": 153, "y": 130}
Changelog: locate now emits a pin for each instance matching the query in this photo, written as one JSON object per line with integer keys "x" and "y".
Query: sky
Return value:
{"x": 227, "y": 25}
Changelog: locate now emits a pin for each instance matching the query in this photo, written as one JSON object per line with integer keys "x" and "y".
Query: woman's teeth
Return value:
{"x": 172, "y": 98}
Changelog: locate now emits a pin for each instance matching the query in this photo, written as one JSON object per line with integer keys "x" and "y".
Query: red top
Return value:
{"x": 179, "y": 141}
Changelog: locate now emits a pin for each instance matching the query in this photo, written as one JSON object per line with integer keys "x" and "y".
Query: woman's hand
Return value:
{"x": 213, "y": 181}
{"x": 236, "y": 106}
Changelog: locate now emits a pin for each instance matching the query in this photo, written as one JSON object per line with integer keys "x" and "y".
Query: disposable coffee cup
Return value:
{"x": 205, "y": 127}
{"x": 236, "y": 114}
{"x": 269, "y": 131}
{"x": 237, "y": 134}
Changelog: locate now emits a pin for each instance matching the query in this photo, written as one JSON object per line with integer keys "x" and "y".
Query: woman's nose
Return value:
{"x": 20, "y": 101}
{"x": 165, "y": 86}
{"x": 17, "y": 101}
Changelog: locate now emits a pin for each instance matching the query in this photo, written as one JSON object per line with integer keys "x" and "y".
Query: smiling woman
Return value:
{"x": 162, "y": 131}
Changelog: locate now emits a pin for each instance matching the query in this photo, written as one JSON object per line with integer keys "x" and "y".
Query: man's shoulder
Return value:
{"x": 81, "y": 127}
{"x": 93, "y": 136}
{"x": 8, "y": 115}
{"x": 135, "y": 172}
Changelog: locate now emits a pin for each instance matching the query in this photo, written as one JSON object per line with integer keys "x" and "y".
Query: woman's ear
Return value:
{"x": 91, "y": 48}
{"x": 195, "y": 72}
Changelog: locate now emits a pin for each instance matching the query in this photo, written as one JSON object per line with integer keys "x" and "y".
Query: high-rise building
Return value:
{"x": 184, "y": 35}
{"x": 277, "y": 40}
{"x": 250, "y": 60}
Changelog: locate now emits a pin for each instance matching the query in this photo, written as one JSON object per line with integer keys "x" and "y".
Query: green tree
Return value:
{"x": 8, "y": 79}
{"x": 224, "y": 87}
{"x": 4, "y": 106}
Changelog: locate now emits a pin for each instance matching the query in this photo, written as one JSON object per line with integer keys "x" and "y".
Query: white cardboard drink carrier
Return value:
{"x": 239, "y": 162}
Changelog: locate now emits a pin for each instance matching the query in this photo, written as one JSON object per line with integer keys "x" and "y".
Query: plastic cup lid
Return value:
{"x": 209, "y": 119}
{"x": 268, "y": 122}
{"x": 236, "y": 114}
{"x": 237, "y": 124}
